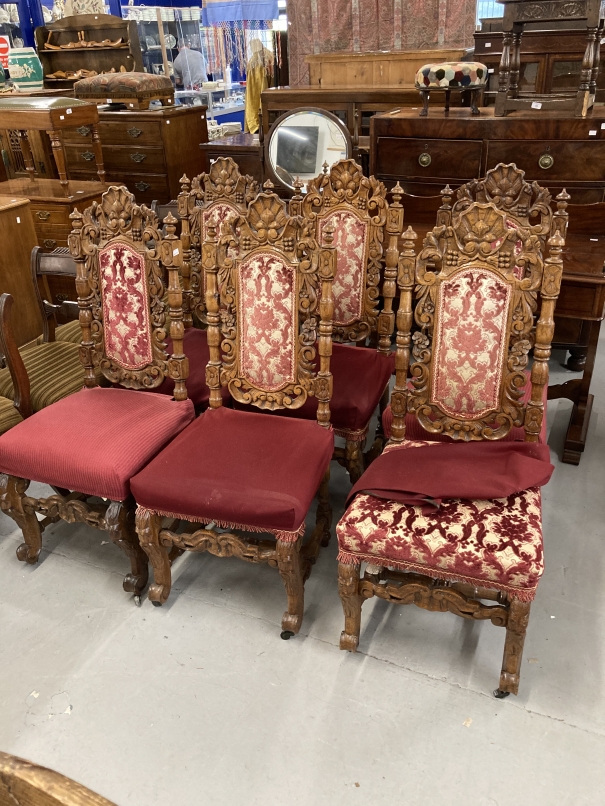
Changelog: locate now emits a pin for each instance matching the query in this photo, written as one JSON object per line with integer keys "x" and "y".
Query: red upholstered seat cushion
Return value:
{"x": 238, "y": 468}
{"x": 360, "y": 376}
{"x": 414, "y": 431}
{"x": 93, "y": 441}
{"x": 492, "y": 544}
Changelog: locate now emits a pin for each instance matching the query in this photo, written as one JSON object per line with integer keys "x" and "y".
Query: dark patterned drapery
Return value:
{"x": 321, "y": 26}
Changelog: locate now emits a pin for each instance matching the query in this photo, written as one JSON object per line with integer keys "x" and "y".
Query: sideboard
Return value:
{"x": 555, "y": 149}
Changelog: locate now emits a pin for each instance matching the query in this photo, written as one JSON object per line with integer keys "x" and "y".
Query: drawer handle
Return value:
{"x": 43, "y": 215}
{"x": 546, "y": 161}
{"x": 84, "y": 130}
{"x": 49, "y": 244}
{"x": 424, "y": 160}
{"x": 88, "y": 156}
{"x": 142, "y": 186}
{"x": 138, "y": 157}
{"x": 134, "y": 132}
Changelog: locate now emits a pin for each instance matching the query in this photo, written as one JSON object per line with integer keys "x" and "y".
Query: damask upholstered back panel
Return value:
{"x": 268, "y": 322}
{"x": 350, "y": 240}
{"x": 217, "y": 213}
{"x": 124, "y": 295}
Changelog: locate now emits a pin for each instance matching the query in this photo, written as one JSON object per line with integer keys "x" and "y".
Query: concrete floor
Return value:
{"x": 200, "y": 702}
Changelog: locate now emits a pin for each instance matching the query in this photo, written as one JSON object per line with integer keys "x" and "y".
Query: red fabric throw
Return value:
{"x": 474, "y": 470}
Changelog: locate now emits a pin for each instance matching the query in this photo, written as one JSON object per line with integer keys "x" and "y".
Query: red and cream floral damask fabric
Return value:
{"x": 216, "y": 214}
{"x": 470, "y": 343}
{"x": 126, "y": 329}
{"x": 492, "y": 544}
{"x": 351, "y": 254}
{"x": 267, "y": 321}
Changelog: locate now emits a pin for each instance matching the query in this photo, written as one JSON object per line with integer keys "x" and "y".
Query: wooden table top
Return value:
{"x": 51, "y": 189}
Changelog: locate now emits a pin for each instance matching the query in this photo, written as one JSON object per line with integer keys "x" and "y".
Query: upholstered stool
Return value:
{"x": 136, "y": 90}
{"x": 449, "y": 76}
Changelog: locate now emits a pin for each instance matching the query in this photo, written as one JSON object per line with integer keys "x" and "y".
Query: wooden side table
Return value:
{"x": 51, "y": 115}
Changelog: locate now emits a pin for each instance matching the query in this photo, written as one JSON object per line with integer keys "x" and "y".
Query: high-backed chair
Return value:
{"x": 56, "y": 263}
{"x": 236, "y": 470}
{"x": 91, "y": 443}
{"x": 366, "y": 233}
{"x": 477, "y": 283}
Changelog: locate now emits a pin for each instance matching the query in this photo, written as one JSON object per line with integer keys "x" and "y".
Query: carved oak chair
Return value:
{"x": 366, "y": 236}
{"x": 22, "y": 782}
{"x": 91, "y": 443}
{"x": 245, "y": 471}
{"x": 477, "y": 282}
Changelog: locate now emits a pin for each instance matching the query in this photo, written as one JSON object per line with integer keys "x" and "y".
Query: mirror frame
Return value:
{"x": 269, "y": 172}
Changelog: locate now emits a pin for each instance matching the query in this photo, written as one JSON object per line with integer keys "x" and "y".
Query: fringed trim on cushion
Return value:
{"x": 285, "y": 537}
{"x": 352, "y": 436}
{"x": 522, "y": 594}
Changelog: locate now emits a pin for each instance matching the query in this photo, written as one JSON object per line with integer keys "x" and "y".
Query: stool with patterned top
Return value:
{"x": 448, "y": 76}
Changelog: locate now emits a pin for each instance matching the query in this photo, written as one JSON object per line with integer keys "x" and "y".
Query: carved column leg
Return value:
{"x": 290, "y": 568}
{"x": 119, "y": 522}
{"x": 148, "y": 529}
{"x": 596, "y": 63}
{"x": 59, "y": 154}
{"x": 354, "y": 459}
{"x": 348, "y": 589}
{"x": 27, "y": 154}
{"x": 96, "y": 145}
{"x": 515, "y": 62}
{"x": 518, "y": 618}
{"x": 586, "y": 74}
{"x": 503, "y": 75}
{"x": 425, "y": 95}
{"x": 12, "y": 493}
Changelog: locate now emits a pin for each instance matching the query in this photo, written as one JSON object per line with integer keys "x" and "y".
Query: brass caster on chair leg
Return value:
{"x": 286, "y": 635}
{"x": 500, "y": 695}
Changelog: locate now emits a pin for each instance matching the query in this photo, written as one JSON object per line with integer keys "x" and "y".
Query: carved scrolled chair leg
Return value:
{"x": 12, "y": 493}
{"x": 518, "y": 618}
{"x": 148, "y": 528}
{"x": 354, "y": 459}
{"x": 119, "y": 522}
{"x": 290, "y": 568}
{"x": 348, "y": 589}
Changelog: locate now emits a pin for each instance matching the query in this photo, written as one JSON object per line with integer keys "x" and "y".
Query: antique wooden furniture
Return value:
{"x": 22, "y": 781}
{"x": 244, "y": 149}
{"x": 516, "y": 14}
{"x": 9, "y": 414}
{"x": 558, "y": 150}
{"x": 52, "y": 115}
{"x": 134, "y": 90}
{"x": 366, "y": 237}
{"x": 270, "y": 306}
{"x": 476, "y": 283}
{"x": 551, "y": 60}
{"x": 95, "y": 440}
{"x": 365, "y": 70}
{"x": 148, "y": 151}
{"x": 447, "y": 76}
{"x": 64, "y": 47}
{"x": 45, "y": 266}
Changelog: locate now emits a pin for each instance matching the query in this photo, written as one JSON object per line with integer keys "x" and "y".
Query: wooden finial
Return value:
{"x": 268, "y": 185}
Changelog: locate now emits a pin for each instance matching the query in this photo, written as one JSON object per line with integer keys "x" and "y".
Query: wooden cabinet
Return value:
{"x": 148, "y": 151}
{"x": 243, "y": 148}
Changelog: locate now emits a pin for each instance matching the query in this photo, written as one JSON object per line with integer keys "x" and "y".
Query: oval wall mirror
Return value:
{"x": 301, "y": 141}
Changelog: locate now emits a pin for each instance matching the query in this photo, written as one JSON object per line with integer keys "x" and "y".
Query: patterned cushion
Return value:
{"x": 54, "y": 372}
{"x": 9, "y": 416}
{"x": 351, "y": 256}
{"x": 124, "y": 86}
{"x": 93, "y": 441}
{"x": 452, "y": 75}
{"x": 493, "y": 544}
{"x": 71, "y": 332}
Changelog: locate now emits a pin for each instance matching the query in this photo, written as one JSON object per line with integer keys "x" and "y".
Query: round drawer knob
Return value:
{"x": 546, "y": 161}
{"x": 424, "y": 160}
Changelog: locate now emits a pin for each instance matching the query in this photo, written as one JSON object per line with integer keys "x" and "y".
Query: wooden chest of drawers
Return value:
{"x": 148, "y": 151}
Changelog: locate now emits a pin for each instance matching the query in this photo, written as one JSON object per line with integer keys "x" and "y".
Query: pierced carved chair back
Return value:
{"x": 214, "y": 197}
{"x": 356, "y": 208}
{"x": 478, "y": 281}
{"x": 121, "y": 261}
{"x": 274, "y": 310}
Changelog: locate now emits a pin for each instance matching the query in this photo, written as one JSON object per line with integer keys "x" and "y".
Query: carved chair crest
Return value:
{"x": 355, "y": 207}
{"x": 274, "y": 306}
{"x": 477, "y": 280}
{"x": 214, "y": 197}
{"x": 121, "y": 259}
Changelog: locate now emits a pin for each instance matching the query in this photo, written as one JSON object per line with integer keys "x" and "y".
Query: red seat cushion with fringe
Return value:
{"x": 360, "y": 376}
{"x": 238, "y": 469}
{"x": 93, "y": 441}
{"x": 415, "y": 432}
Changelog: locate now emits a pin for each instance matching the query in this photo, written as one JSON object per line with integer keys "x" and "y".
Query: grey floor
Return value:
{"x": 200, "y": 702}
